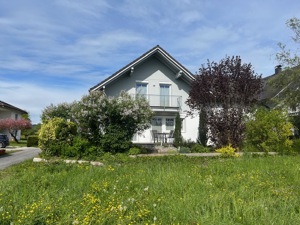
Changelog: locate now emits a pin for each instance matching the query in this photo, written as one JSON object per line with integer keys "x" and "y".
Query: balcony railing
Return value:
{"x": 164, "y": 101}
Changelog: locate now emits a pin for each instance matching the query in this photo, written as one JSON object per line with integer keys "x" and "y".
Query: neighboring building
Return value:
{"x": 272, "y": 97}
{"x": 166, "y": 85}
{"x": 10, "y": 111}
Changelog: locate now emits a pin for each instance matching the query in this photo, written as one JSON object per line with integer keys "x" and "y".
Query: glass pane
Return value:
{"x": 156, "y": 124}
{"x": 170, "y": 123}
{"x": 164, "y": 95}
{"x": 141, "y": 89}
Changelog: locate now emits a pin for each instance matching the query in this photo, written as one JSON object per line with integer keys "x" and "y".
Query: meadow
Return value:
{"x": 156, "y": 190}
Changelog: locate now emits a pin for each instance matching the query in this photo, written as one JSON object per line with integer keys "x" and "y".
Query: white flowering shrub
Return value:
{"x": 111, "y": 122}
{"x": 106, "y": 122}
{"x": 62, "y": 110}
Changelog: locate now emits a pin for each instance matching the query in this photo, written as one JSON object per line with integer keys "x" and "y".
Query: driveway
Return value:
{"x": 17, "y": 157}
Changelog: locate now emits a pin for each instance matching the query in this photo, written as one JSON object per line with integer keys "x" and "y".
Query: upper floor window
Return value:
{"x": 141, "y": 89}
{"x": 16, "y": 116}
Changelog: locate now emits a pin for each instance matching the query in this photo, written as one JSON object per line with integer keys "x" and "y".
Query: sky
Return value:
{"x": 54, "y": 51}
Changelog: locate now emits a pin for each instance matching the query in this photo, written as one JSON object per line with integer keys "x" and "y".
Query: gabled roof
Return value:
{"x": 161, "y": 54}
{"x": 8, "y": 106}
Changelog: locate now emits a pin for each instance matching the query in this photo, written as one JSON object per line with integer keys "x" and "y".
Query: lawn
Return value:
{"x": 158, "y": 190}
{"x": 22, "y": 143}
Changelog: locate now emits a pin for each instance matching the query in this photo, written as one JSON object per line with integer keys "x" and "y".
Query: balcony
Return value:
{"x": 164, "y": 102}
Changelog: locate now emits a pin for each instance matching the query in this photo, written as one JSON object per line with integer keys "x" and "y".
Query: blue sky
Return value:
{"x": 54, "y": 51}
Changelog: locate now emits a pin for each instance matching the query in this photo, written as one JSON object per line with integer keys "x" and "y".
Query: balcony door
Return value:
{"x": 164, "y": 95}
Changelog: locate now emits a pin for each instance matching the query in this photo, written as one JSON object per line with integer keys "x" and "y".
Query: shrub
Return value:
{"x": 134, "y": 151}
{"x": 93, "y": 152}
{"x": 32, "y": 141}
{"x": 227, "y": 151}
{"x": 199, "y": 148}
{"x": 54, "y": 134}
{"x": 269, "y": 131}
{"x": 111, "y": 121}
{"x": 296, "y": 146}
{"x": 177, "y": 132}
{"x": 188, "y": 143}
{"x": 115, "y": 140}
{"x": 184, "y": 150}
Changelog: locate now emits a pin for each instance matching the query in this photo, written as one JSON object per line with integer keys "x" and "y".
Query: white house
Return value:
{"x": 165, "y": 83}
{"x": 10, "y": 111}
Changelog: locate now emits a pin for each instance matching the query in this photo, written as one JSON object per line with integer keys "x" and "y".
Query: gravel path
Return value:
{"x": 17, "y": 157}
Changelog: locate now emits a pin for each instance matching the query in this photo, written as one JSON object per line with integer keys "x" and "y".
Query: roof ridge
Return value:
{"x": 149, "y": 52}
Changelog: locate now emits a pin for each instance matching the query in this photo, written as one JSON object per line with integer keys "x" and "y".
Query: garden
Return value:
{"x": 154, "y": 190}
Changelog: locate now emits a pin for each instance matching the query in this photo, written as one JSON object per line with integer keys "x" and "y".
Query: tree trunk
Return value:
{"x": 14, "y": 135}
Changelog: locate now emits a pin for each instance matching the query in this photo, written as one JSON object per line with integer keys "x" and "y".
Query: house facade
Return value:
{"x": 165, "y": 83}
{"x": 10, "y": 111}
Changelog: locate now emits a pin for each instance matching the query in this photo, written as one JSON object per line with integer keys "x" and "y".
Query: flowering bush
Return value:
{"x": 106, "y": 122}
{"x": 111, "y": 122}
{"x": 227, "y": 151}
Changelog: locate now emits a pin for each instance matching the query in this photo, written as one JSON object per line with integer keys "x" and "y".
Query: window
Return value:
{"x": 141, "y": 89}
{"x": 170, "y": 123}
{"x": 16, "y": 116}
{"x": 164, "y": 94}
{"x": 156, "y": 123}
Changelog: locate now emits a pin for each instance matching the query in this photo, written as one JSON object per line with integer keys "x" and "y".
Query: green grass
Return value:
{"x": 22, "y": 143}
{"x": 158, "y": 190}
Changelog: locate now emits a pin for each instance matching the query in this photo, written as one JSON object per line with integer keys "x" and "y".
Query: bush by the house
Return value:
{"x": 184, "y": 150}
{"x": 54, "y": 134}
{"x": 197, "y": 148}
{"x": 106, "y": 122}
{"x": 32, "y": 141}
{"x": 269, "y": 131}
{"x": 134, "y": 151}
{"x": 227, "y": 151}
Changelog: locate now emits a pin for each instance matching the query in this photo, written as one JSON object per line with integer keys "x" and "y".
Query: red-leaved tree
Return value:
{"x": 223, "y": 92}
{"x": 14, "y": 125}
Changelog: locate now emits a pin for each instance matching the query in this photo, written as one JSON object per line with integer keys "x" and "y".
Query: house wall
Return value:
{"x": 154, "y": 72}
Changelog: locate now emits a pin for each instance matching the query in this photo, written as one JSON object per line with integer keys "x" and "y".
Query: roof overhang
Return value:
{"x": 158, "y": 52}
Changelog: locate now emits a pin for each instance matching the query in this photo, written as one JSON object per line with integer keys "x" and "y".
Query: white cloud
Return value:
{"x": 55, "y": 51}
{"x": 33, "y": 98}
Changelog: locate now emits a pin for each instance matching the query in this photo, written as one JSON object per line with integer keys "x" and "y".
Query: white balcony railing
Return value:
{"x": 164, "y": 101}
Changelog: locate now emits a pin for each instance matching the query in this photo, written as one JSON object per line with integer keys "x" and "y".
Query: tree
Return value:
{"x": 13, "y": 126}
{"x": 288, "y": 81}
{"x": 202, "y": 129}
{"x": 225, "y": 91}
{"x": 177, "y": 132}
{"x": 269, "y": 130}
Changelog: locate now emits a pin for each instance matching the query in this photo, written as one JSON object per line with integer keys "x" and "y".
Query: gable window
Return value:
{"x": 141, "y": 89}
{"x": 164, "y": 94}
